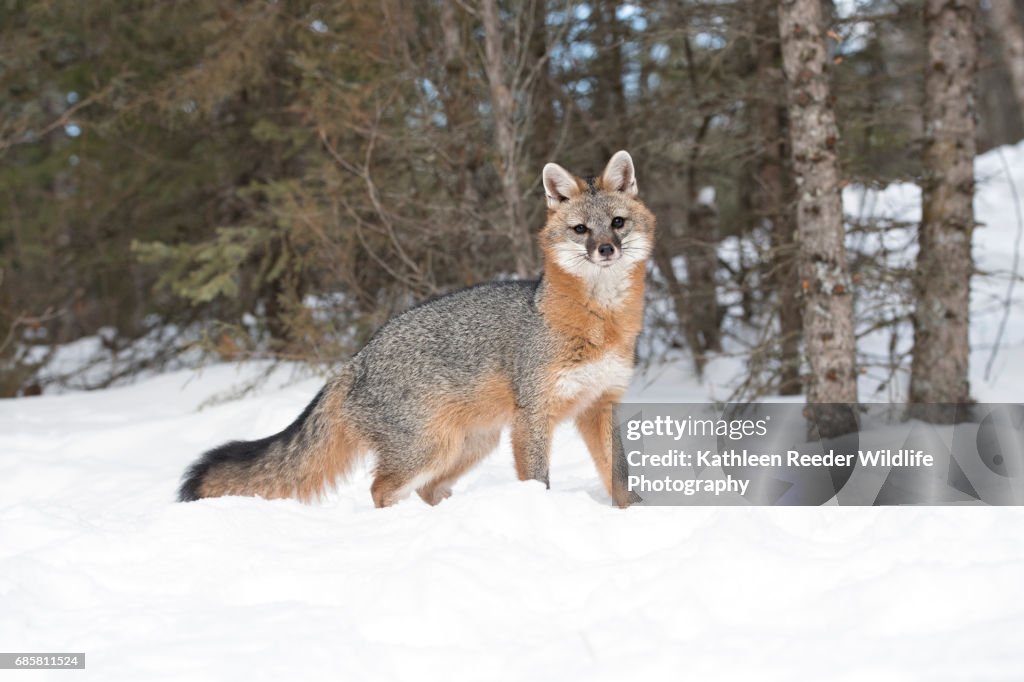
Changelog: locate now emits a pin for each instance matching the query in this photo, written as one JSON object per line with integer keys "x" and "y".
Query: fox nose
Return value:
{"x": 605, "y": 250}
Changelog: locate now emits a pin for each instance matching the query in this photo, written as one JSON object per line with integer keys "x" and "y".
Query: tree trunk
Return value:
{"x": 459, "y": 107}
{"x": 942, "y": 280}
{"x": 701, "y": 233}
{"x": 543, "y": 129}
{"x": 503, "y": 108}
{"x": 821, "y": 262}
{"x": 1007, "y": 25}
{"x": 701, "y": 256}
{"x": 461, "y": 148}
{"x": 775, "y": 193}
{"x": 542, "y": 141}
{"x": 610, "y": 104}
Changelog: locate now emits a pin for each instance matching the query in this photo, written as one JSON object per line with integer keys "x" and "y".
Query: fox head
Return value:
{"x": 596, "y": 227}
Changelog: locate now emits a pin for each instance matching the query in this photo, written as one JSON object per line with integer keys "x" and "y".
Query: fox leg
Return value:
{"x": 478, "y": 444}
{"x": 389, "y": 488}
{"x": 395, "y": 476}
{"x": 597, "y": 426}
{"x": 531, "y": 445}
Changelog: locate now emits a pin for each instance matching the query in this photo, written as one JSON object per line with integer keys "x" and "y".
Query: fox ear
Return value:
{"x": 559, "y": 185}
{"x": 619, "y": 175}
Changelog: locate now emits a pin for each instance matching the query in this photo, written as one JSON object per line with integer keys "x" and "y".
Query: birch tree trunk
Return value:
{"x": 942, "y": 279}
{"x": 503, "y": 107}
{"x": 1007, "y": 25}
{"x": 821, "y": 260}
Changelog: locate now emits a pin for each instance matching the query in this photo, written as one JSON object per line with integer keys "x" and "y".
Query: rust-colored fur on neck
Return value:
{"x": 568, "y": 308}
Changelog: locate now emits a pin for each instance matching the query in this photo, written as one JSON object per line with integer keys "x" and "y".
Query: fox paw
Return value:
{"x": 626, "y": 498}
{"x": 433, "y": 495}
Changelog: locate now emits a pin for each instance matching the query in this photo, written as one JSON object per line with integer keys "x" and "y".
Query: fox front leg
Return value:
{"x": 597, "y": 426}
{"x": 622, "y": 496}
{"x": 531, "y": 445}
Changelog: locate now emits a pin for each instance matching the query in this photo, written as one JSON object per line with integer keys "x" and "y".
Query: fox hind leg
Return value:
{"x": 389, "y": 488}
{"x": 395, "y": 477}
{"x": 477, "y": 445}
{"x": 393, "y": 483}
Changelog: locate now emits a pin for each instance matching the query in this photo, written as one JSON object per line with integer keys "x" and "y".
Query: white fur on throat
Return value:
{"x": 586, "y": 382}
{"x": 606, "y": 285}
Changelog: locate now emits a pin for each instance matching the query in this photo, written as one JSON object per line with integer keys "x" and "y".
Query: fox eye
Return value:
{"x": 580, "y": 229}
{"x": 618, "y": 221}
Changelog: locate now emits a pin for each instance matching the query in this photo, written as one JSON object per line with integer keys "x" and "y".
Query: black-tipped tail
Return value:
{"x": 239, "y": 452}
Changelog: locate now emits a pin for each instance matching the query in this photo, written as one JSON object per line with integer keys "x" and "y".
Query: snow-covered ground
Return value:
{"x": 505, "y": 580}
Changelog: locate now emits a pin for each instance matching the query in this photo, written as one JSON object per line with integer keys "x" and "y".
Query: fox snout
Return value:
{"x": 604, "y": 253}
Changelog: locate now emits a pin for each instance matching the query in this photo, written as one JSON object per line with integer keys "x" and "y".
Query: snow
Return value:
{"x": 706, "y": 196}
{"x": 505, "y": 580}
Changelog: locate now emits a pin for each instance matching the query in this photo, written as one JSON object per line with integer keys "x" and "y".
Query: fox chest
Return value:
{"x": 584, "y": 382}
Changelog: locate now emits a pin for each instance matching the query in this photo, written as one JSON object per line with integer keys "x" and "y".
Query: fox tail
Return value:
{"x": 309, "y": 455}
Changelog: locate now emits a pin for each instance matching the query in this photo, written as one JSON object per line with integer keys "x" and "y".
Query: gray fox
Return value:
{"x": 431, "y": 391}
